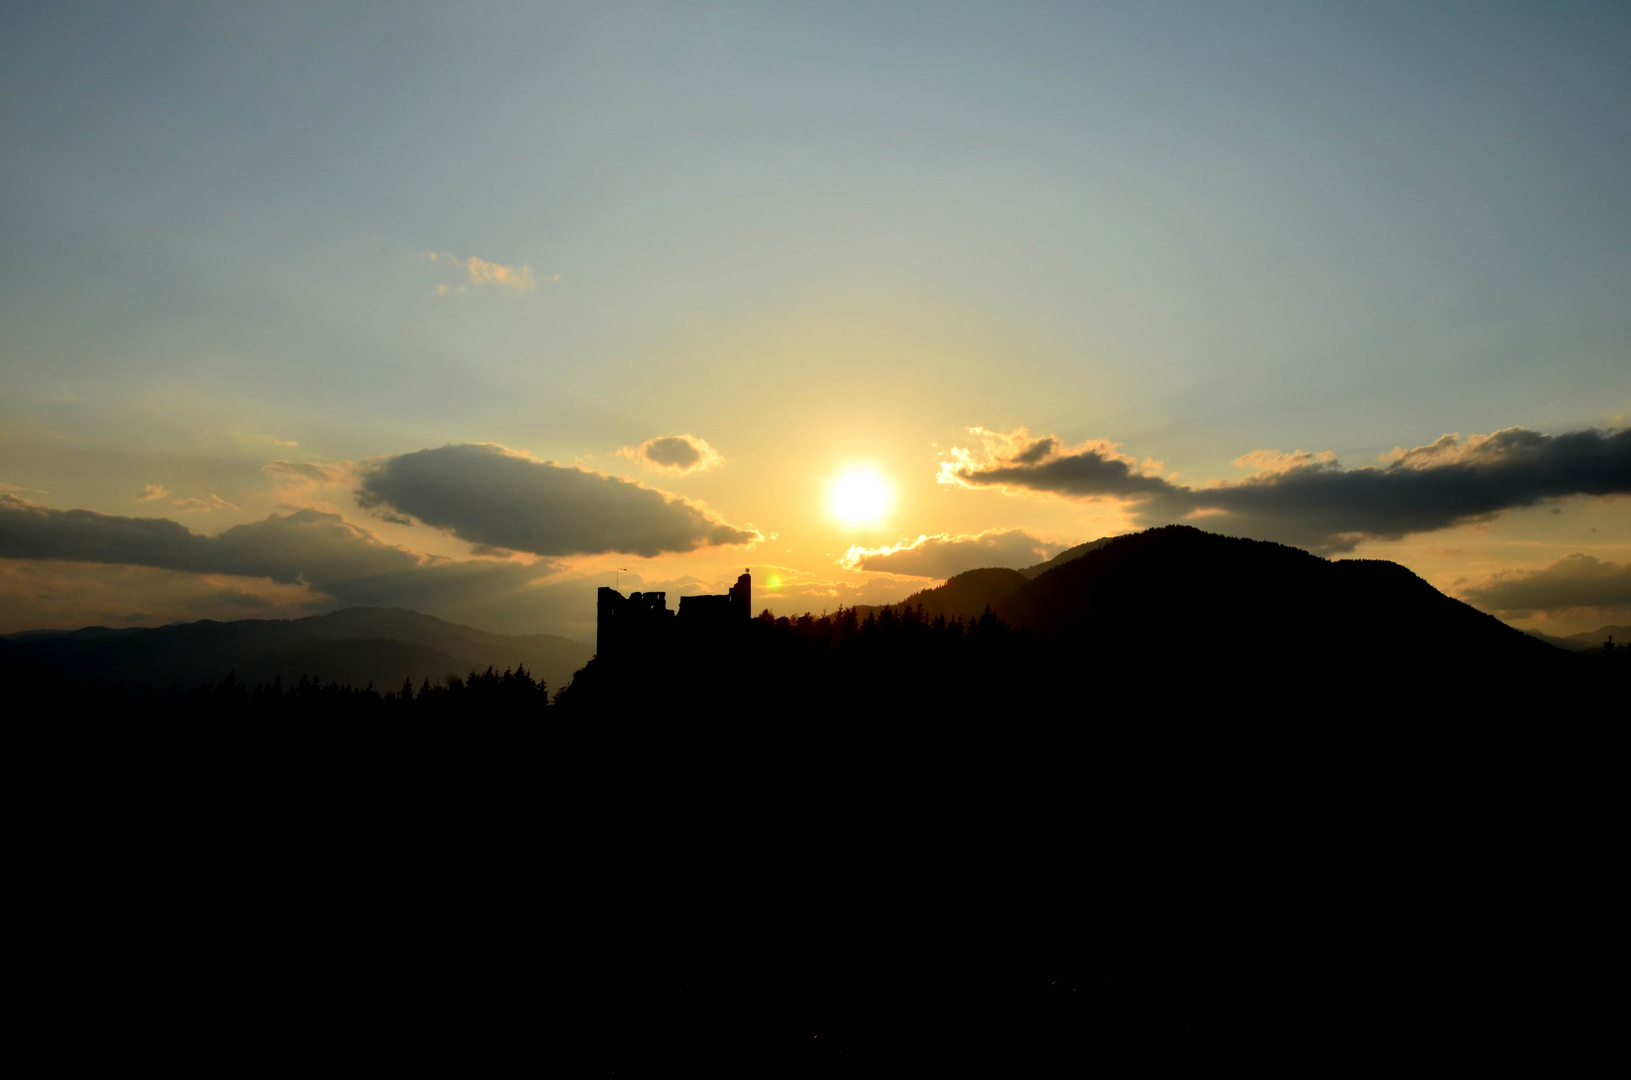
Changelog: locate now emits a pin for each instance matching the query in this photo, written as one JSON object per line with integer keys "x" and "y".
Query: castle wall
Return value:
{"x": 626, "y": 626}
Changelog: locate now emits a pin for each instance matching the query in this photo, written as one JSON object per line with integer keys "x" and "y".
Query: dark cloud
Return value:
{"x": 307, "y": 547}
{"x": 672, "y": 452}
{"x": 1309, "y": 499}
{"x": 944, "y": 555}
{"x": 492, "y": 497}
{"x": 1573, "y": 582}
{"x": 1090, "y": 470}
{"x": 31, "y": 531}
{"x": 676, "y": 453}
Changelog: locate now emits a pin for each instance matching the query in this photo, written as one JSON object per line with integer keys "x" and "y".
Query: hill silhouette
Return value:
{"x": 968, "y": 594}
{"x": 356, "y": 646}
{"x": 1250, "y": 599}
{"x": 1257, "y": 600}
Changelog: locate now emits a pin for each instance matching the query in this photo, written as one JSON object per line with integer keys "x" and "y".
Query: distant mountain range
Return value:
{"x": 382, "y": 646}
{"x": 1586, "y": 642}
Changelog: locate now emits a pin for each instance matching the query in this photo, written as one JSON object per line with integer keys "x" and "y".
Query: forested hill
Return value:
{"x": 1253, "y": 598}
{"x": 1214, "y": 596}
{"x": 358, "y": 646}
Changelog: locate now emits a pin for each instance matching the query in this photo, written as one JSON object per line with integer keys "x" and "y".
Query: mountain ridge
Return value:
{"x": 361, "y": 646}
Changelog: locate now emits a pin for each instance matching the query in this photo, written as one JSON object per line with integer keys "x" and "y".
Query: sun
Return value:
{"x": 860, "y": 496}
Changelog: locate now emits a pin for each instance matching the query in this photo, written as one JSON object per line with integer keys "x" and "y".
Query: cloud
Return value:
{"x": 151, "y": 492}
{"x": 298, "y": 485}
{"x": 1571, "y": 583}
{"x": 1267, "y": 462}
{"x": 518, "y": 278}
{"x": 1094, "y": 468}
{"x": 31, "y": 531}
{"x": 1310, "y": 499}
{"x": 675, "y": 453}
{"x": 203, "y": 504}
{"x": 484, "y": 274}
{"x": 501, "y": 499}
{"x": 307, "y": 547}
{"x": 306, "y": 471}
{"x": 944, "y": 555}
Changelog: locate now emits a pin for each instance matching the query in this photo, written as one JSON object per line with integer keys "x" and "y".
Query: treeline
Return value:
{"x": 847, "y": 653}
{"x": 902, "y": 664}
{"x": 511, "y": 693}
{"x": 845, "y": 663}
{"x": 814, "y": 664}
{"x": 885, "y": 624}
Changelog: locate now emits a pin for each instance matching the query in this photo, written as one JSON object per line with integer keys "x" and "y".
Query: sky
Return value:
{"x": 474, "y": 308}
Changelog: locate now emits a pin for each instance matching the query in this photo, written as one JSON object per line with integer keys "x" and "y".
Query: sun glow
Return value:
{"x": 860, "y": 497}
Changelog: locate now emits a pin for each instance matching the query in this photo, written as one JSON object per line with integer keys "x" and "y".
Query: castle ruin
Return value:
{"x": 627, "y": 626}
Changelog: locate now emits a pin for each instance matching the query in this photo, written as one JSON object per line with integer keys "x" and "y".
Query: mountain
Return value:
{"x": 1252, "y": 602}
{"x": 382, "y": 646}
{"x": 1244, "y": 600}
{"x": 1586, "y": 642}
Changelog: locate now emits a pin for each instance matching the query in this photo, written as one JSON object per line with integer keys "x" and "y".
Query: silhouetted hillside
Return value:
{"x": 1258, "y": 603}
{"x": 358, "y": 646}
{"x": 967, "y": 595}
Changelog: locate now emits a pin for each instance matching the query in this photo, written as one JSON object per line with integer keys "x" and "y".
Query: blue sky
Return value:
{"x": 815, "y": 237}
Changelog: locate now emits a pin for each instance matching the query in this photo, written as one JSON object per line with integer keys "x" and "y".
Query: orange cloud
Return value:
{"x": 203, "y": 504}
{"x": 485, "y": 274}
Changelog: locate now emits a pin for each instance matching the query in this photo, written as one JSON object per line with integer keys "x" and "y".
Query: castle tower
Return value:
{"x": 607, "y": 603}
{"x": 741, "y": 595}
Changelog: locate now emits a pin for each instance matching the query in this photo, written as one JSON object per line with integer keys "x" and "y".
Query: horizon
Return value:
{"x": 905, "y": 605}
{"x": 473, "y": 313}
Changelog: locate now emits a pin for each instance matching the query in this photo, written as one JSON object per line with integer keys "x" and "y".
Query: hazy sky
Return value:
{"x": 373, "y": 243}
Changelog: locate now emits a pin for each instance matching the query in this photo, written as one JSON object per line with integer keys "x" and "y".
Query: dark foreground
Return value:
{"x": 867, "y": 894}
